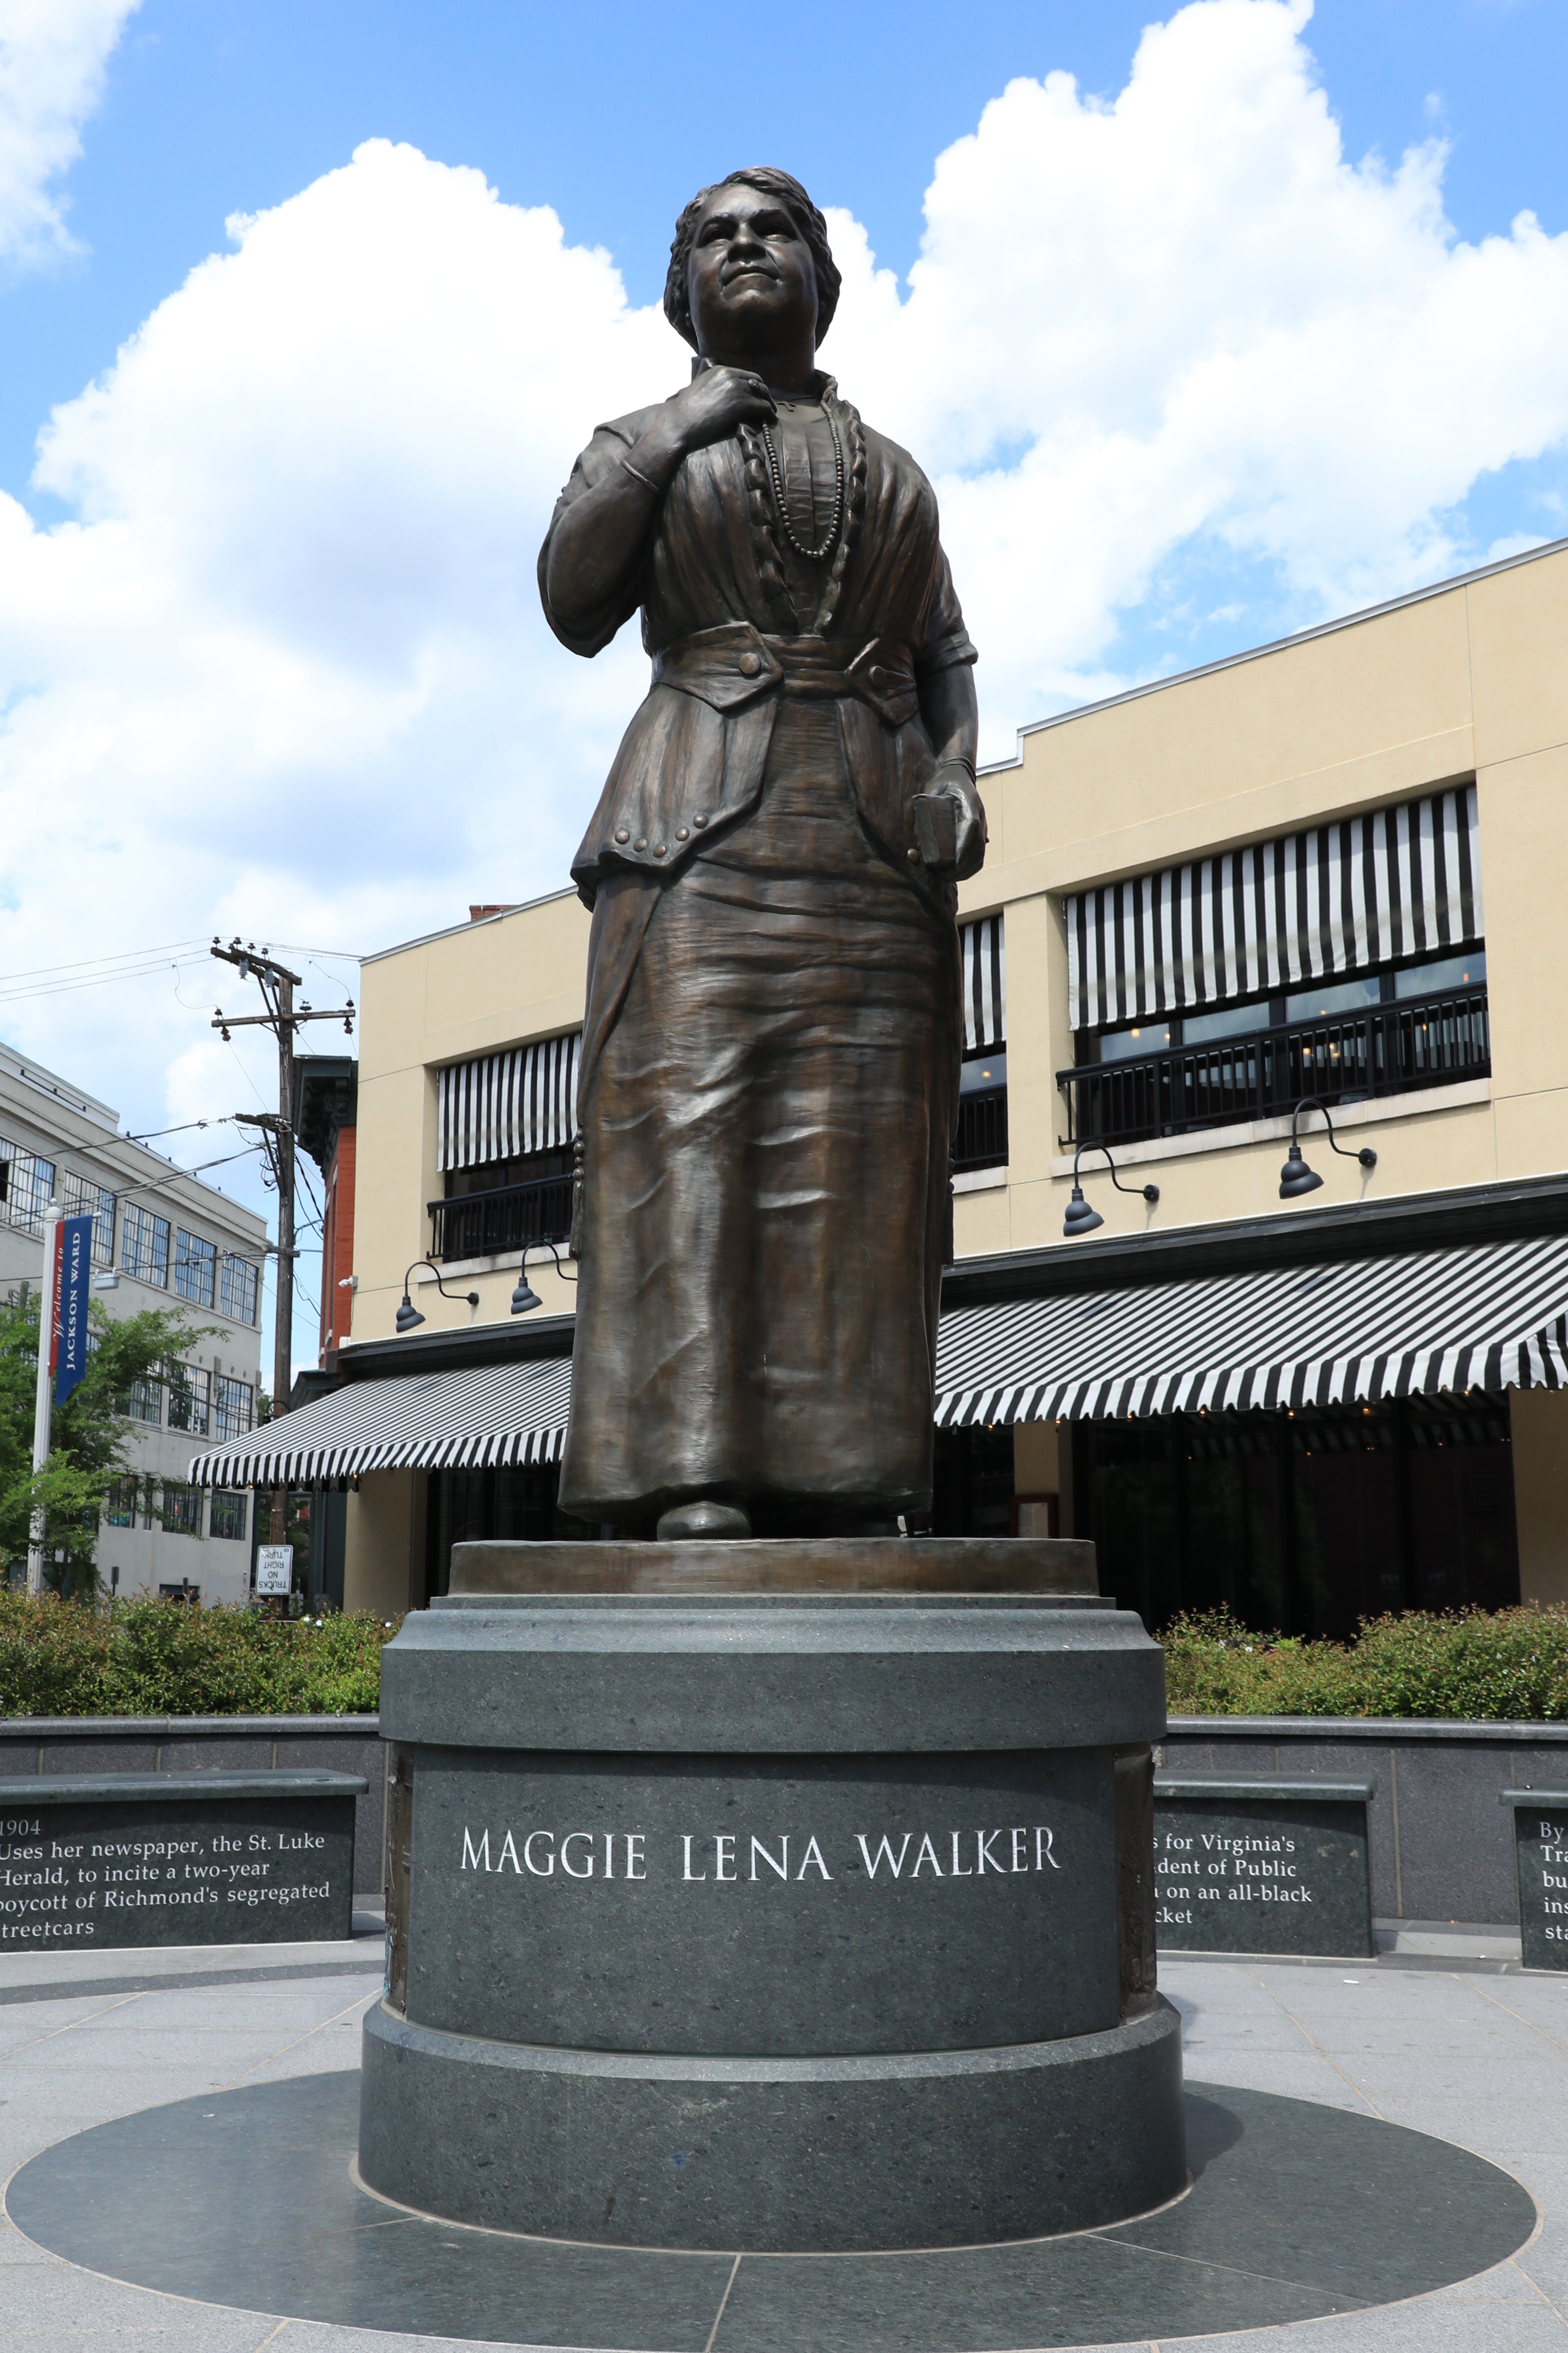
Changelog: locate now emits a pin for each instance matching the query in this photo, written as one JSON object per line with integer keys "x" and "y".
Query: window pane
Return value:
{"x": 144, "y": 1245}
{"x": 1229, "y": 1022}
{"x": 1124, "y": 1045}
{"x": 182, "y": 1509}
{"x": 982, "y": 1073}
{"x": 30, "y": 1187}
{"x": 229, "y": 1516}
{"x": 83, "y": 1198}
{"x": 1334, "y": 997}
{"x": 235, "y": 1407}
{"x": 195, "y": 1268}
{"x": 146, "y": 1402}
{"x": 239, "y": 1288}
{"x": 119, "y": 1503}
{"x": 190, "y": 1394}
{"x": 1467, "y": 971}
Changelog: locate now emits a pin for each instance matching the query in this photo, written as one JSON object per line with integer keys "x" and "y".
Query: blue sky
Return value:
{"x": 1233, "y": 335}
{"x": 614, "y": 114}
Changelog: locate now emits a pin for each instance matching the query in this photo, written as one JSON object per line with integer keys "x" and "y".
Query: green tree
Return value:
{"x": 90, "y": 1434}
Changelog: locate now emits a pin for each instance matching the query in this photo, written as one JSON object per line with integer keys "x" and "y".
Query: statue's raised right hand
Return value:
{"x": 707, "y": 409}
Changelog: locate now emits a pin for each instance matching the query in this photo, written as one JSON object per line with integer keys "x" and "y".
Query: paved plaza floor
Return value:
{"x": 1440, "y": 2036}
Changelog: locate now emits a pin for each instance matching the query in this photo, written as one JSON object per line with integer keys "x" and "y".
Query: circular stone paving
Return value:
{"x": 247, "y": 2199}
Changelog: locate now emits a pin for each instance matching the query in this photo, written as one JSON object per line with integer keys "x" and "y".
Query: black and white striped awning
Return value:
{"x": 1336, "y": 899}
{"x": 1491, "y": 1317}
{"x": 483, "y": 1415}
{"x": 503, "y": 1107}
{"x": 984, "y": 984}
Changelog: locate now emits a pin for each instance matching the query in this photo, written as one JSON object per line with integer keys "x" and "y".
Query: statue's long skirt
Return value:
{"x": 766, "y": 1140}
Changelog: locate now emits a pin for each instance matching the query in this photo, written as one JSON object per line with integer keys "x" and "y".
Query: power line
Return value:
{"x": 125, "y": 956}
{"x": 154, "y": 1133}
{"x": 97, "y": 980}
{"x": 130, "y": 964}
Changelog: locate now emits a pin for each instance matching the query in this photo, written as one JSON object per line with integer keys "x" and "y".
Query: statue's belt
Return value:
{"x": 730, "y": 667}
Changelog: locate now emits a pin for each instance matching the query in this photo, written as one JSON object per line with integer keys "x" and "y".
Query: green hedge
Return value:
{"x": 158, "y": 1658}
{"x": 1508, "y": 1666}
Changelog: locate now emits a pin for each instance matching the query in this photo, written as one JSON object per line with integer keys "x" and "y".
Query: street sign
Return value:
{"x": 274, "y": 1568}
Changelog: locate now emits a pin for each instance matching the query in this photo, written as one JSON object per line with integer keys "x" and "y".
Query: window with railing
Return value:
{"x": 982, "y": 1138}
{"x": 144, "y": 1245}
{"x": 241, "y": 1283}
{"x": 233, "y": 1407}
{"x": 981, "y": 1141}
{"x": 195, "y": 1268}
{"x": 1421, "y": 1024}
{"x": 504, "y": 1149}
{"x": 503, "y": 1206}
{"x": 190, "y": 1399}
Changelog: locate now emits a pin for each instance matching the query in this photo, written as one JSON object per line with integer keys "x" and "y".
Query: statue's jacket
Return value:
{"x": 726, "y": 641}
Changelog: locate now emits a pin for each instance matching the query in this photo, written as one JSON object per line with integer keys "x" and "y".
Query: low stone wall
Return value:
{"x": 213, "y": 1743}
{"x": 1441, "y": 1845}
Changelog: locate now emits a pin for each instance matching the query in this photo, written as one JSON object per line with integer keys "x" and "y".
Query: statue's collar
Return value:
{"x": 823, "y": 386}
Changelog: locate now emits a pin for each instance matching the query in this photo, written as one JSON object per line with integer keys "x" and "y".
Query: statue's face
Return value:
{"x": 751, "y": 276}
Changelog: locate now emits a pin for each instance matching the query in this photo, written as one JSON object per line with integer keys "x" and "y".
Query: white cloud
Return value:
{"x": 52, "y": 59}
{"x": 1185, "y": 313}
{"x": 285, "y": 671}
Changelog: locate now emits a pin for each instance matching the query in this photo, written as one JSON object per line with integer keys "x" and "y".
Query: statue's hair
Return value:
{"x": 802, "y": 211}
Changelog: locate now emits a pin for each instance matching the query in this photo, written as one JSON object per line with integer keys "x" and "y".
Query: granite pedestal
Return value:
{"x": 804, "y": 1903}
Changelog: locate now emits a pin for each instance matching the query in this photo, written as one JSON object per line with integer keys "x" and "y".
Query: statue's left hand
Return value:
{"x": 956, "y": 784}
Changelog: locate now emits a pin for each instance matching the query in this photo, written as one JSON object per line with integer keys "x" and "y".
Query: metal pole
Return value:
{"x": 43, "y": 1403}
{"x": 283, "y": 1312}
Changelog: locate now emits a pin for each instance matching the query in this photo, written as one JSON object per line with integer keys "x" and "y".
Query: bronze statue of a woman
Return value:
{"x": 770, "y": 1049}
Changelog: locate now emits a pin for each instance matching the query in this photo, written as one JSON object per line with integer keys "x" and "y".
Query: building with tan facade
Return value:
{"x": 1326, "y": 878}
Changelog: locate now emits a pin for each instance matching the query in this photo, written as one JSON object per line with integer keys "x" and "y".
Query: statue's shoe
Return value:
{"x": 718, "y": 1523}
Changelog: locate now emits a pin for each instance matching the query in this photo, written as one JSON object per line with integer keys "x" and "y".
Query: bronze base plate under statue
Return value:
{"x": 774, "y": 1897}
{"x": 1061, "y": 1565}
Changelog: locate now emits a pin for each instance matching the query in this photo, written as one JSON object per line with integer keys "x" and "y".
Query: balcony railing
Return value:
{"x": 982, "y": 1138}
{"x": 493, "y": 1224}
{"x": 1387, "y": 1049}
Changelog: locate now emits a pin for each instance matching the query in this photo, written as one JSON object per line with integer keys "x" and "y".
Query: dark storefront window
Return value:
{"x": 1304, "y": 1522}
{"x": 479, "y": 1506}
{"x": 972, "y": 1485}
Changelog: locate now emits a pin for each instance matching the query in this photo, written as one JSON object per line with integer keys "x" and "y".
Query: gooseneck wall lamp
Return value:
{"x": 525, "y": 1296}
{"x": 408, "y": 1315}
{"x": 1295, "y": 1177}
{"x": 1080, "y": 1219}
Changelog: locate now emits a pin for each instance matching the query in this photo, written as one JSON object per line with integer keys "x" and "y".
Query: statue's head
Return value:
{"x": 750, "y": 258}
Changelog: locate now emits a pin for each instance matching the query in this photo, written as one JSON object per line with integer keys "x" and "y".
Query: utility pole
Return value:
{"x": 283, "y": 1017}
